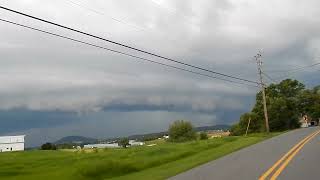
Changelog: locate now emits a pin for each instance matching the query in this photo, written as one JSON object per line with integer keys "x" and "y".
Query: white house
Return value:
{"x": 305, "y": 121}
{"x": 135, "y": 143}
{"x": 166, "y": 137}
{"x": 12, "y": 143}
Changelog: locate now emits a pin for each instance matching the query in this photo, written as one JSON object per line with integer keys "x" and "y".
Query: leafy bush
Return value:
{"x": 256, "y": 124}
{"x": 203, "y": 136}
{"x": 181, "y": 131}
{"x": 236, "y": 130}
{"x": 124, "y": 142}
{"x": 48, "y": 146}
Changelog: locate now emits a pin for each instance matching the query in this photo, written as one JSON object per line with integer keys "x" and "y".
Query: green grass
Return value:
{"x": 156, "y": 162}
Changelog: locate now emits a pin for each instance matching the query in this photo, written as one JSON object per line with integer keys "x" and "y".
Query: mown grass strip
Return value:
{"x": 156, "y": 162}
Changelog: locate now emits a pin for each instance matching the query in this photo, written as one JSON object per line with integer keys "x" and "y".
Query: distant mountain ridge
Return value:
{"x": 215, "y": 127}
{"x": 76, "y": 140}
{"x": 160, "y": 134}
{"x": 141, "y": 137}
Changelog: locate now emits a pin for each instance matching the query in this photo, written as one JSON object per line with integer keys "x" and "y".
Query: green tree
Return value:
{"x": 48, "y": 146}
{"x": 180, "y": 131}
{"x": 283, "y": 114}
{"x": 316, "y": 90}
{"x": 203, "y": 136}
{"x": 256, "y": 124}
{"x": 123, "y": 142}
{"x": 284, "y": 104}
{"x": 309, "y": 103}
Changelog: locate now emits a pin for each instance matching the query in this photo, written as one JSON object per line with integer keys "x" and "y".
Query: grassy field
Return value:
{"x": 156, "y": 162}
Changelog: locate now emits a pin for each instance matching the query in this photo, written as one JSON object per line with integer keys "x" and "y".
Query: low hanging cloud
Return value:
{"x": 60, "y": 90}
{"x": 40, "y": 72}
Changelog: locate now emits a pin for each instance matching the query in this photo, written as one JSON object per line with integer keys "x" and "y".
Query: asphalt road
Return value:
{"x": 254, "y": 161}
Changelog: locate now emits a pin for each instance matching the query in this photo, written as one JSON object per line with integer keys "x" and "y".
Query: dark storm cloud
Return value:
{"x": 21, "y": 119}
{"x": 40, "y": 73}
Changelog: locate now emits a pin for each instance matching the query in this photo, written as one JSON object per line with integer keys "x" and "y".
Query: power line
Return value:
{"x": 127, "y": 46}
{"x": 283, "y": 77}
{"x": 294, "y": 69}
{"x": 270, "y": 78}
{"x": 119, "y": 52}
{"x": 267, "y": 81}
{"x": 122, "y": 53}
{"x": 136, "y": 27}
{"x": 289, "y": 73}
{"x": 174, "y": 11}
{"x": 103, "y": 14}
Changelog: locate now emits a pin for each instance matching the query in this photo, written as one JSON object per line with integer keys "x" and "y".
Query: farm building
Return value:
{"x": 112, "y": 145}
{"x": 135, "y": 143}
{"x": 12, "y": 143}
{"x": 91, "y": 146}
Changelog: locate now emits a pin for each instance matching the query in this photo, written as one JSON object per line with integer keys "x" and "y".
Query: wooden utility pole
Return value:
{"x": 248, "y": 126}
{"x": 259, "y": 63}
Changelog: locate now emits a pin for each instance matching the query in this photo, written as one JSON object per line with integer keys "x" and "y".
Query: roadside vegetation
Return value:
{"x": 124, "y": 142}
{"x": 203, "y": 136}
{"x": 157, "y": 162}
{"x": 287, "y": 102}
{"x": 163, "y": 158}
{"x": 181, "y": 131}
{"x": 48, "y": 146}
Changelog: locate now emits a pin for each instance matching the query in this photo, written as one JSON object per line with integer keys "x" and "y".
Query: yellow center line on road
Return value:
{"x": 285, "y": 164}
{"x": 292, "y": 150}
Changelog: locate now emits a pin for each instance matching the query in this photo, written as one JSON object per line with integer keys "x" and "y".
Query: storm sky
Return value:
{"x": 52, "y": 87}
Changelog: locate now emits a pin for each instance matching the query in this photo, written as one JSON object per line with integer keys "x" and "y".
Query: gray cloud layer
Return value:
{"x": 44, "y": 73}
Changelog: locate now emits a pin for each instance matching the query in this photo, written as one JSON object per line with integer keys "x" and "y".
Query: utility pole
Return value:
{"x": 248, "y": 126}
{"x": 259, "y": 63}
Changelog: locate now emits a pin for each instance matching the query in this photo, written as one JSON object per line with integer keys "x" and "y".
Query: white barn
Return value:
{"x": 12, "y": 143}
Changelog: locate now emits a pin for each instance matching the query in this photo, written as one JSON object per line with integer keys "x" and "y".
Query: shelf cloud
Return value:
{"x": 42, "y": 73}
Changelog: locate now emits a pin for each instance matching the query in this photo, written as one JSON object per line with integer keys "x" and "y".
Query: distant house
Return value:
{"x": 166, "y": 137}
{"x": 135, "y": 143}
{"x": 11, "y": 143}
{"x": 305, "y": 121}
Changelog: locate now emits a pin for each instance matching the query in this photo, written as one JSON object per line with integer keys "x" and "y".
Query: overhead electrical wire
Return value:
{"x": 138, "y": 28}
{"x": 174, "y": 11}
{"x": 127, "y": 46}
{"x": 291, "y": 71}
{"x": 294, "y": 69}
{"x": 269, "y": 77}
{"x": 160, "y": 36}
{"x": 103, "y": 14}
{"x": 122, "y": 53}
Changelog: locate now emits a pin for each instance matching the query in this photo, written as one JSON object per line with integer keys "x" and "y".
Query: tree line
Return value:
{"x": 287, "y": 102}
